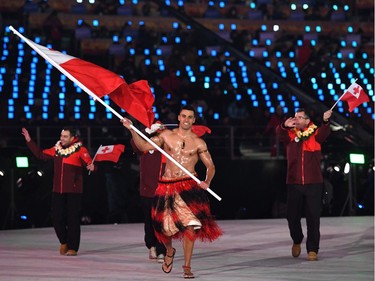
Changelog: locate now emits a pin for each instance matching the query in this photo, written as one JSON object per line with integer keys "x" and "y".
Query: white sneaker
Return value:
{"x": 160, "y": 258}
{"x": 152, "y": 254}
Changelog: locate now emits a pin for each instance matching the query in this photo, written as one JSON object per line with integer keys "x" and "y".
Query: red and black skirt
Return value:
{"x": 180, "y": 203}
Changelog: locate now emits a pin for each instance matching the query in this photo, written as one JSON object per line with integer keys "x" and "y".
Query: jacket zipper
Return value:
{"x": 303, "y": 170}
{"x": 61, "y": 177}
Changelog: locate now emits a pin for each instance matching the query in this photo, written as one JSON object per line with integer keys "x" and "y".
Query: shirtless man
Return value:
{"x": 181, "y": 207}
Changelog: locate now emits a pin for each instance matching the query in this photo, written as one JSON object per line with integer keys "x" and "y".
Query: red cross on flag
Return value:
{"x": 354, "y": 96}
{"x": 109, "y": 153}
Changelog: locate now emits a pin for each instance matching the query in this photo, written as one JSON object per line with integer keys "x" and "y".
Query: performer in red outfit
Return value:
{"x": 68, "y": 154}
{"x": 181, "y": 207}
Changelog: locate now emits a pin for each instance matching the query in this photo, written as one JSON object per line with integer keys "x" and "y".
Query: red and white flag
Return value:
{"x": 109, "y": 153}
{"x": 135, "y": 98}
{"x": 354, "y": 96}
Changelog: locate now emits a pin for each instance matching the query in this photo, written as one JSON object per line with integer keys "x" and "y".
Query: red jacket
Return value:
{"x": 67, "y": 176}
{"x": 303, "y": 157}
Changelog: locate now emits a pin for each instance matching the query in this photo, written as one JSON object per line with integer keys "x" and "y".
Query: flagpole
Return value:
{"x": 93, "y": 159}
{"x": 95, "y": 97}
{"x": 343, "y": 94}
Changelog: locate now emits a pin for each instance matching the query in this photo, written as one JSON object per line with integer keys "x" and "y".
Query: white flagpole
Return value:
{"x": 342, "y": 95}
{"x": 93, "y": 159}
{"x": 95, "y": 97}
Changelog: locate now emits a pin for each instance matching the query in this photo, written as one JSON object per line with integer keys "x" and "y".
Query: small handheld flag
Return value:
{"x": 354, "y": 96}
{"x": 109, "y": 153}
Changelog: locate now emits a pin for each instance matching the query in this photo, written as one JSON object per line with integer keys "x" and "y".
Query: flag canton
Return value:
{"x": 106, "y": 149}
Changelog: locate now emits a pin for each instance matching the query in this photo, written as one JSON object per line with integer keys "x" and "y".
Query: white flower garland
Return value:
{"x": 65, "y": 152}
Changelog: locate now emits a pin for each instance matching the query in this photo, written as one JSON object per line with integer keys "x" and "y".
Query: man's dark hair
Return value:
{"x": 304, "y": 111}
{"x": 189, "y": 107}
{"x": 73, "y": 132}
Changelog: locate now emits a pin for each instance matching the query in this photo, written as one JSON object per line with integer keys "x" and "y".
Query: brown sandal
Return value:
{"x": 168, "y": 266}
{"x": 187, "y": 272}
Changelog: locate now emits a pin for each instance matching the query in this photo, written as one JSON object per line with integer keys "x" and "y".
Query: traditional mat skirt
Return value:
{"x": 180, "y": 203}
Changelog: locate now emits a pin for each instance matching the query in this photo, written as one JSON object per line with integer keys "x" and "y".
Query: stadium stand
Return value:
{"x": 294, "y": 56}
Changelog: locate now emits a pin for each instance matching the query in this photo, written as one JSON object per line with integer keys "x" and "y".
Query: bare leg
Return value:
{"x": 188, "y": 245}
{"x": 168, "y": 259}
{"x": 168, "y": 246}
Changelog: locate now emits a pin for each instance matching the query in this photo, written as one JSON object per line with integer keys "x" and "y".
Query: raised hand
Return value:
{"x": 290, "y": 122}
{"x": 327, "y": 115}
{"x": 26, "y": 134}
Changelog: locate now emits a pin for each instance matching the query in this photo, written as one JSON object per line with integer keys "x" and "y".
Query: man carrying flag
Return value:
{"x": 68, "y": 155}
{"x": 181, "y": 207}
{"x": 303, "y": 140}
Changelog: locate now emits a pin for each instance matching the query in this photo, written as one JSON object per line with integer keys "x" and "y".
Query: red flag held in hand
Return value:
{"x": 355, "y": 96}
{"x": 109, "y": 153}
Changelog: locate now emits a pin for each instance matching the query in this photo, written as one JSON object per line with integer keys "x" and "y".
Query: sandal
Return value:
{"x": 187, "y": 272}
{"x": 168, "y": 266}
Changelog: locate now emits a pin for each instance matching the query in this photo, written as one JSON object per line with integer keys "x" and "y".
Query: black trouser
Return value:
{"x": 66, "y": 217}
{"x": 150, "y": 238}
{"x": 307, "y": 200}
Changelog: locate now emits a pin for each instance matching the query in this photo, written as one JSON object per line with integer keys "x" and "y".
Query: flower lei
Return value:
{"x": 301, "y": 136}
{"x": 65, "y": 152}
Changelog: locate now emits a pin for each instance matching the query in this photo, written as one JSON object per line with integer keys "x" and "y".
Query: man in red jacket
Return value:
{"x": 69, "y": 155}
{"x": 303, "y": 140}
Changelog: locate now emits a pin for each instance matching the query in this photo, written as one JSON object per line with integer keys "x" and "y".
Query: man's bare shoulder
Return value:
{"x": 165, "y": 133}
